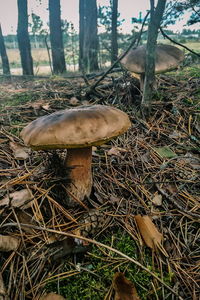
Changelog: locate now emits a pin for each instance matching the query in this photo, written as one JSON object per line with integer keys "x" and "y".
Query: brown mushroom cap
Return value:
{"x": 167, "y": 58}
{"x": 84, "y": 126}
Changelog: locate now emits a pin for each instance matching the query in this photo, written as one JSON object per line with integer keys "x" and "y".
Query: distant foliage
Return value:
{"x": 105, "y": 17}
{"x": 36, "y": 24}
{"x": 176, "y": 9}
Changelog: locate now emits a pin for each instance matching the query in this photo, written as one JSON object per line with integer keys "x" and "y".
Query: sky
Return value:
{"x": 70, "y": 12}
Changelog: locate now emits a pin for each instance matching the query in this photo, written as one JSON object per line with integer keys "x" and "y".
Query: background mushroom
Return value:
{"x": 77, "y": 130}
{"x": 167, "y": 58}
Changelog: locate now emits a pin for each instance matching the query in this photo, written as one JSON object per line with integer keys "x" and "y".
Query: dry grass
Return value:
{"x": 39, "y": 55}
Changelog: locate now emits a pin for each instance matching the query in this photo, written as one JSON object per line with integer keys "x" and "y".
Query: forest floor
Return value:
{"x": 143, "y": 215}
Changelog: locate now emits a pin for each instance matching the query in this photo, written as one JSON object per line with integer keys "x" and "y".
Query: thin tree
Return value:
{"x": 36, "y": 28}
{"x": 4, "y": 56}
{"x": 56, "y": 39}
{"x": 156, "y": 15}
{"x": 88, "y": 36}
{"x": 114, "y": 44}
{"x": 23, "y": 38}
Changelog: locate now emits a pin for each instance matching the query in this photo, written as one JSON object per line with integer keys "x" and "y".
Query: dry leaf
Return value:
{"x": 151, "y": 236}
{"x": 124, "y": 288}
{"x": 114, "y": 199}
{"x": 25, "y": 218}
{"x": 36, "y": 105}
{"x": 85, "y": 102}
{"x": 18, "y": 199}
{"x": 52, "y": 296}
{"x": 8, "y": 243}
{"x": 114, "y": 151}
{"x": 46, "y": 106}
{"x": 74, "y": 101}
{"x": 19, "y": 151}
{"x": 157, "y": 199}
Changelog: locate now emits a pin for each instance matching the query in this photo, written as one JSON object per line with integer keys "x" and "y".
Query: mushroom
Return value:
{"x": 77, "y": 130}
{"x": 167, "y": 58}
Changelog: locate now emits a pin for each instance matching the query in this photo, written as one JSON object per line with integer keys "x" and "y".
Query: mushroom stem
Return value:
{"x": 79, "y": 161}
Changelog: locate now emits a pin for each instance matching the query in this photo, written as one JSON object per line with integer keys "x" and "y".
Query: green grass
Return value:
{"x": 188, "y": 72}
{"x": 9, "y": 106}
{"x": 100, "y": 266}
{"x": 18, "y": 99}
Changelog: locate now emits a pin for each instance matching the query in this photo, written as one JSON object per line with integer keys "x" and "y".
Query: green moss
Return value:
{"x": 99, "y": 267}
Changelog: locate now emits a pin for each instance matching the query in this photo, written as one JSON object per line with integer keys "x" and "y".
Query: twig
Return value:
{"x": 173, "y": 41}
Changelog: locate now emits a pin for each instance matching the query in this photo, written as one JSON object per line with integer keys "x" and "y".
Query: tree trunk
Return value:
{"x": 155, "y": 20}
{"x": 90, "y": 44}
{"x": 4, "y": 57}
{"x": 57, "y": 49}
{"x": 81, "y": 32}
{"x": 23, "y": 38}
{"x": 114, "y": 45}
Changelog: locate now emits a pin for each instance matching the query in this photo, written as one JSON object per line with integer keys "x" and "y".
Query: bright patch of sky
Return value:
{"x": 70, "y": 12}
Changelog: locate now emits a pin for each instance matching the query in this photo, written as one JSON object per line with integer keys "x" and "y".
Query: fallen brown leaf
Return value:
{"x": 52, "y": 296}
{"x": 8, "y": 243}
{"x": 19, "y": 151}
{"x": 18, "y": 199}
{"x": 114, "y": 151}
{"x": 46, "y": 106}
{"x": 74, "y": 101}
{"x": 150, "y": 234}
{"x": 157, "y": 199}
{"x": 124, "y": 288}
{"x": 25, "y": 218}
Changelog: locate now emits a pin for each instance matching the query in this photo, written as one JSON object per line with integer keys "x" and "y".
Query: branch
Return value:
{"x": 173, "y": 41}
{"x": 196, "y": 12}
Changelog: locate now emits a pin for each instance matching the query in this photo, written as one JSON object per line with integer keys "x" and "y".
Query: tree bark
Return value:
{"x": 81, "y": 32}
{"x": 114, "y": 44}
{"x": 57, "y": 49}
{"x": 155, "y": 20}
{"x": 90, "y": 44}
{"x": 4, "y": 57}
{"x": 23, "y": 38}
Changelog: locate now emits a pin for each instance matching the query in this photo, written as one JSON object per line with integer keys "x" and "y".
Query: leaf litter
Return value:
{"x": 130, "y": 175}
